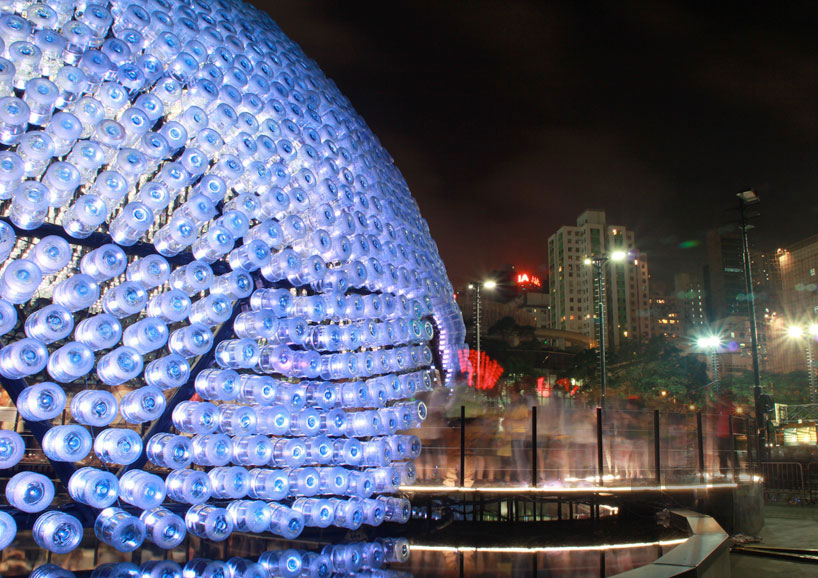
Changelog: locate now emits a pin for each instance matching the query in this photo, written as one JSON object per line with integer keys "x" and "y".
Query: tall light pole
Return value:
{"x": 489, "y": 284}
{"x": 598, "y": 261}
{"x": 745, "y": 199}
{"x": 711, "y": 343}
{"x": 797, "y": 332}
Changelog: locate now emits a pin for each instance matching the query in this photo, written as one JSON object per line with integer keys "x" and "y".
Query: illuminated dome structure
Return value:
{"x": 201, "y": 240}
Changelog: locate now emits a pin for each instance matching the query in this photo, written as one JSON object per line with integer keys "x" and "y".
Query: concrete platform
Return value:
{"x": 785, "y": 527}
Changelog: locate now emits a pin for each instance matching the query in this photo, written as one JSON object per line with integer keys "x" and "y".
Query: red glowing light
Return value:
{"x": 489, "y": 374}
{"x": 543, "y": 387}
{"x": 526, "y": 279}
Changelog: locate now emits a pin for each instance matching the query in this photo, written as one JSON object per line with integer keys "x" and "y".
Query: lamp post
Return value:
{"x": 745, "y": 199}
{"x": 489, "y": 284}
{"x": 711, "y": 343}
{"x": 599, "y": 273}
{"x": 797, "y": 332}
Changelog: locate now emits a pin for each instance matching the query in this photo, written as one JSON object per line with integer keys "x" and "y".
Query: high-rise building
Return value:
{"x": 724, "y": 274}
{"x": 798, "y": 267}
{"x": 625, "y": 291}
{"x": 688, "y": 290}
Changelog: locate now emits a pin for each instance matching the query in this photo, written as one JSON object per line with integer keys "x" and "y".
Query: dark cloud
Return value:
{"x": 509, "y": 118}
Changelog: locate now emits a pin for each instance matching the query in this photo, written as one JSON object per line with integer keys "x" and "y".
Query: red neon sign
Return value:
{"x": 526, "y": 279}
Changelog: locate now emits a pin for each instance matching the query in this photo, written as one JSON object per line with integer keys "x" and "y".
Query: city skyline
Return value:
{"x": 508, "y": 119}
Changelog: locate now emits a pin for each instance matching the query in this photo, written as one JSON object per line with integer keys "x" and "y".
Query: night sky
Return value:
{"x": 508, "y": 118}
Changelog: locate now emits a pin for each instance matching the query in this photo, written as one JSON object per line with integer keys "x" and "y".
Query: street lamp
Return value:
{"x": 712, "y": 343}
{"x": 797, "y": 332}
{"x": 599, "y": 272}
{"x": 490, "y": 285}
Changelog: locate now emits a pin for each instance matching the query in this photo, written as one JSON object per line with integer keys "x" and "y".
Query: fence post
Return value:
{"x": 533, "y": 446}
{"x": 657, "y": 452}
{"x": 462, "y": 446}
{"x": 700, "y": 442}
{"x": 749, "y": 445}
{"x": 600, "y": 458}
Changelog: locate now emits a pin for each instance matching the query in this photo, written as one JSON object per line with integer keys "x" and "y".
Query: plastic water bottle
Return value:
{"x": 196, "y": 417}
{"x": 167, "y": 372}
{"x": 258, "y": 389}
{"x": 49, "y": 324}
{"x": 232, "y": 482}
{"x": 142, "y": 404}
{"x": 193, "y": 278}
{"x": 314, "y": 565}
{"x": 267, "y": 484}
{"x": 104, "y": 263}
{"x": 12, "y": 448}
{"x": 124, "y": 300}
{"x": 252, "y": 450}
{"x": 191, "y": 341}
{"x": 43, "y": 401}
{"x": 209, "y": 522}
{"x": 283, "y": 563}
{"x": 71, "y": 362}
{"x": 29, "y": 492}
{"x": 51, "y": 254}
{"x": 20, "y": 280}
{"x": 171, "y": 306}
{"x": 29, "y": 205}
{"x": 273, "y": 420}
{"x": 319, "y": 450}
{"x": 237, "y": 353}
{"x": 190, "y": 487}
{"x": 95, "y": 408}
{"x": 132, "y": 222}
{"x": 397, "y": 510}
{"x": 119, "y": 529}
{"x": 84, "y": 215}
{"x": 395, "y": 550}
{"x": 169, "y": 451}
{"x": 361, "y": 484}
{"x": 348, "y": 514}
{"x": 279, "y": 301}
{"x": 203, "y": 568}
{"x": 8, "y": 530}
{"x": 346, "y": 558}
{"x": 163, "y": 527}
{"x": 288, "y": 453}
{"x": 387, "y": 479}
{"x": 94, "y": 487}
{"x": 150, "y": 271}
{"x": 285, "y": 522}
{"x": 76, "y": 292}
{"x": 256, "y": 324}
{"x": 243, "y": 568}
{"x": 146, "y": 335}
{"x": 237, "y": 420}
{"x": 306, "y": 422}
{"x": 212, "y": 450}
{"x": 334, "y": 423}
{"x": 174, "y": 237}
{"x": 160, "y": 568}
{"x": 57, "y": 532}
{"x": 249, "y": 515}
{"x": 142, "y": 489}
{"x": 347, "y": 452}
{"x": 67, "y": 443}
{"x": 304, "y": 482}
{"x": 8, "y": 317}
{"x": 118, "y": 446}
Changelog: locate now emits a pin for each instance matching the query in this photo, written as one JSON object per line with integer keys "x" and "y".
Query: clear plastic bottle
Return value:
{"x": 250, "y": 515}
{"x": 150, "y": 271}
{"x": 71, "y": 362}
{"x": 221, "y": 384}
{"x": 12, "y": 448}
{"x": 258, "y": 389}
{"x": 178, "y": 234}
{"x": 163, "y": 527}
{"x": 241, "y": 567}
{"x": 189, "y": 487}
{"x": 168, "y": 450}
{"x": 267, "y": 484}
{"x": 143, "y": 404}
{"x": 230, "y": 482}
{"x": 304, "y": 482}
{"x": 193, "y": 278}
{"x": 95, "y": 408}
{"x": 209, "y": 522}
{"x": 167, "y": 372}
{"x": 43, "y": 401}
{"x": 118, "y": 446}
{"x": 346, "y": 558}
{"x": 317, "y": 512}
{"x": 283, "y": 563}
{"x": 347, "y": 452}
{"x": 237, "y": 353}
{"x": 288, "y": 453}
{"x": 67, "y": 443}
{"x": 20, "y": 281}
{"x": 333, "y": 480}
{"x": 213, "y": 245}
{"x": 170, "y": 306}
{"x": 191, "y": 341}
{"x": 279, "y": 301}
{"x": 119, "y": 366}
{"x": 132, "y": 222}
{"x": 348, "y": 513}
{"x": 235, "y": 285}
{"x": 196, "y": 417}
{"x": 101, "y": 331}
{"x": 285, "y": 521}
{"x": 249, "y": 257}
{"x": 252, "y": 450}
{"x": 361, "y": 484}
{"x": 29, "y": 492}
{"x": 305, "y": 422}
{"x": 94, "y": 487}
{"x": 237, "y": 420}
{"x": 119, "y": 529}
{"x": 142, "y": 489}
{"x": 51, "y": 254}
{"x": 256, "y": 324}
{"x": 146, "y": 335}
{"x": 124, "y": 300}
{"x": 49, "y": 324}
{"x": 57, "y": 532}
{"x": 211, "y": 310}
{"x": 104, "y": 263}
{"x": 273, "y": 420}
{"x": 8, "y": 530}
{"x": 76, "y": 292}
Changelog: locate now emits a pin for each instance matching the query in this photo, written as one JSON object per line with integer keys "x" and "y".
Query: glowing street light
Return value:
{"x": 712, "y": 343}
{"x": 598, "y": 261}
{"x": 811, "y": 334}
{"x": 489, "y": 284}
